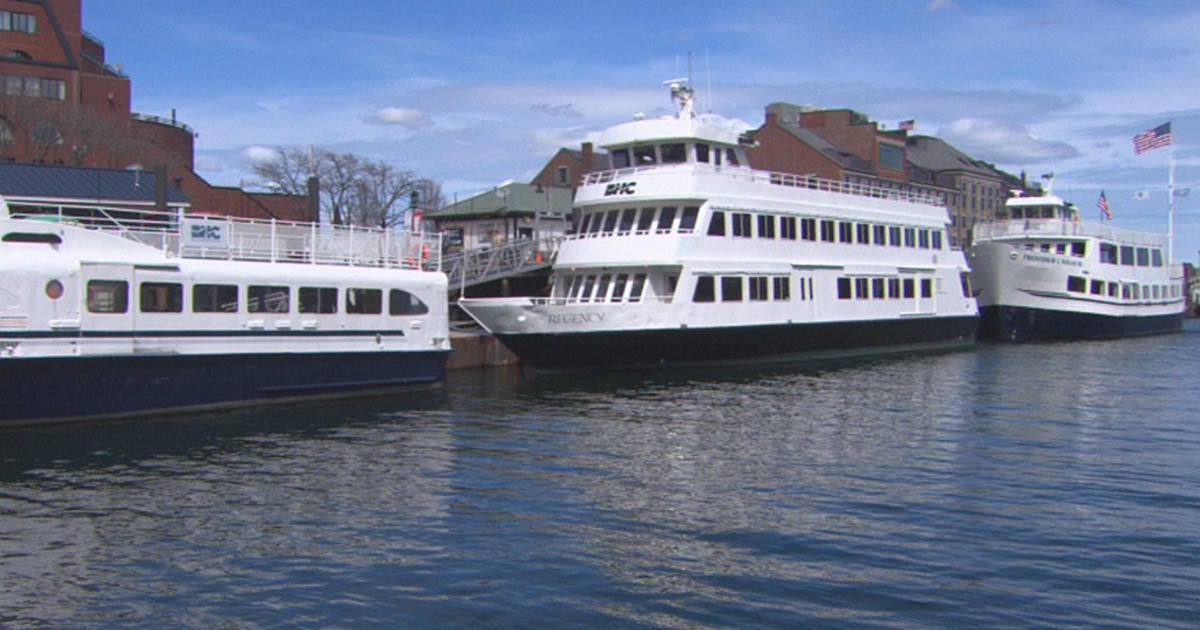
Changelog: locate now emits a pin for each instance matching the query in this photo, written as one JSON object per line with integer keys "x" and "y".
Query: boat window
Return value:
{"x": 610, "y": 221}
{"x": 702, "y": 152}
{"x": 766, "y": 226}
{"x": 716, "y": 225}
{"x": 620, "y": 158}
{"x": 880, "y": 234}
{"x": 704, "y": 291}
{"x": 402, "y": 302}
{"x": 843, "y": 288}
{"x": 666, "y": 218}
{"x": 808, "y": 229}
{"x": 1079, "y": 249}
{"x": 364, "y": 301}
{"x": 687, "y": 220}
{"x": 643, "y": 155}
{"x": 674, "y": 153}
{"x": 1045, "y": 247}
{"x": 781, "y": 288}
{"x": 645, "y": 220}
{"x": 964, "y": 278}
{"x": 267, "y": 299}
{"x": 909, "y": 288}
{"x": 861, "y": 288}
{"x": 1127, "y": 255}
{"x": 846, "y": 232}
{"x": 1048, "y": 212}
{"x": 161, "y": 297}
{"x": 672, "y": 280}
{"x": 863, "y": 233}
{"x": 758, "y": 288}
{"x": 214, "y": 298}
{"x": 741, "y": 224}
{"x": 627, "y": 217}
{"x": 1060, "y": 249}
{"x": 32, "y": 237}
{"x": 635, "y": 289}
{"x": 1097, "y": 287}
{"x": 893, "y": 285}
{"x": 877, "y": 291}
{"x": 107, "y": 296}
{"x": 828, "y": 229}
{"x": 731, "y": 156}
{"x": 731, "y": 288}
{"x": 787, "y": 228}
{"x": 926, "y": 288}
{"x": 602, "y": 287}
{"x": 1076, "y": 284}
{"x": 1108, "y": 253}
{"x": 936, "y": 238}
{"x": 576, "y": 284}
{"x": 318, "y": 300}
{"x": 894, "y": 236}
{"x": 597, "y": 222}
{"x": 1157, "y": 256}
{"x": 910, "y": 237}
{"x": 1113, "y": 289}
{"x": 619, "y": 284}
{"x": 923, "y": 239}
{"x": 1143, "y": 257}
{"x": 589, "y": 283}
{"x": 584, "y": 223}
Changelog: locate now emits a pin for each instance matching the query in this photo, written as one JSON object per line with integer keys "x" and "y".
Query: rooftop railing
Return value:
{"x": 183, "y": 235}
{"x": 1020, "y": 228}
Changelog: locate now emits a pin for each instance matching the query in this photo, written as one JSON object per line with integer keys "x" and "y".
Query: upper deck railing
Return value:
{"x": 1022, "y": 228}
{"x": 183, "y": 235}
{"x": 810, "y": 182}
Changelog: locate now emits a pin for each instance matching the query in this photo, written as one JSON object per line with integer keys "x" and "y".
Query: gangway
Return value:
{"x": 492, "y": 262}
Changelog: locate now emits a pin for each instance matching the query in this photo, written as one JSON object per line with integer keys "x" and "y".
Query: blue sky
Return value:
{"x": 475, "y": 93}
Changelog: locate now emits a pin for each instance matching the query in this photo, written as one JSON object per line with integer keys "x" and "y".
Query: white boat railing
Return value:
{"x": 576, "y": 301}
{"x": 810, "y": 182}
{"x": 184, "y": 235}
{"x": 1022, "y": 228}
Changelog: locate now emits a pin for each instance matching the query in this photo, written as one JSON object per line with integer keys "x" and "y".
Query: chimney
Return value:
{"x": 589, "y": 157}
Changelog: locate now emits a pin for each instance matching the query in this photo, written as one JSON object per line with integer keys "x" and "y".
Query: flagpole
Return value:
{"x": 1171, "y": 204}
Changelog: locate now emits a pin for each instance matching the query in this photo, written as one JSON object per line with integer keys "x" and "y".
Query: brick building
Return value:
{"x": 61, "y": 102}
{"x": 846, "y": 146}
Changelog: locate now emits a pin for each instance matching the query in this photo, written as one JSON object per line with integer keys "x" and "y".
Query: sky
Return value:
{"x": 473, "y": 94}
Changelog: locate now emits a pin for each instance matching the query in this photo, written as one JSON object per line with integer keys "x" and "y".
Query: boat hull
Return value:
{"x": 740, "y": 344}
{"x": 55, "y": 389}
{"x": 1018, "y": 323}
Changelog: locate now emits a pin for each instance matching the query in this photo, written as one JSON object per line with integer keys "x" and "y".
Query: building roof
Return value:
{"x": 937, "y": 155}
{"x": 83, "y": 183}
{"x": 509, "y": 199}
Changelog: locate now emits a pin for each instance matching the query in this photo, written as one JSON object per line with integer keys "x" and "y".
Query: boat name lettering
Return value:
{"x": 1052, "y": 260}
{"x": 575, "y": 318}
{"x": 619, "y": 188}
{"x": 206, "y": 233}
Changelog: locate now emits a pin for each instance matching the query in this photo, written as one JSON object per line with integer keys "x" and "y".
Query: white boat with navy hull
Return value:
{"x": 1042, "y": 273}
{"x": 109, "y": 313}
{"x": 685, "y": 255}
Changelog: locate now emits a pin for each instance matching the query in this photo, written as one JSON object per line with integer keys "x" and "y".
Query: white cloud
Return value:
{"x": 259, "y": 153}
{"x": 1003, "y": 142}
{"x": 941, "y": 5}
{"x": 403, "y": 116}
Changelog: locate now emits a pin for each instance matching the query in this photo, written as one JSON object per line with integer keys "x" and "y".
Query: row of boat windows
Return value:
{"x": 1110, "y": 253}
{"x": 670, "y": 219}
{"x": 673, "y": 153}
{"x": 1122, "y": 290}
{"x": 882, "y": 288}
{"x": 608, "y": 287}
{"x": 112, "y": 296}
{"x": 751, "y": 225}
{"x": 749, "y": 288}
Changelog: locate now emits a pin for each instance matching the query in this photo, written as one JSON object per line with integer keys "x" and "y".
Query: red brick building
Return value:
{"x": 62, "y": 103}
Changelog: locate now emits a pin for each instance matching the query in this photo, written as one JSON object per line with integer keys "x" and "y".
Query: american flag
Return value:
{"x": 1151, "y": 139}
{"x": 1103, "y": 205}
{"x": 908, "y": 125}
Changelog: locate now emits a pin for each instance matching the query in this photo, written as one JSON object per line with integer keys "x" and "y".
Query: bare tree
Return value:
{"x": 381, "y": 195}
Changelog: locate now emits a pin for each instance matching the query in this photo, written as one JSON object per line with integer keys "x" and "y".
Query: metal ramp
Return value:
{"x": 511, "y": 258}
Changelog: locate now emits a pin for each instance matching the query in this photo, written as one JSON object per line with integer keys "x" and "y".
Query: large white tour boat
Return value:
{"x": 684, "y": 254}
{"x": 107, "y": 312}
{"x": 1042, "y": 273}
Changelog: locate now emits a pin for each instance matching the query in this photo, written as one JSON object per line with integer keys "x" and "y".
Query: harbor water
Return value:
{"x": 1039, "y": 485}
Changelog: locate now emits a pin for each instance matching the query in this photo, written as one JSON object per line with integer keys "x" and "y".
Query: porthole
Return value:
{"x": 54, "y": 289}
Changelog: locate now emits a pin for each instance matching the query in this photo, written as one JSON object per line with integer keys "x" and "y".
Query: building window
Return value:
{"x": 19, "y": 22}
{"x": 891, "y": 156}
{"x": 562, "y": 176}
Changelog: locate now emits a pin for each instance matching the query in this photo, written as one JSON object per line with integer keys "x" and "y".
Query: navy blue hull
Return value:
{"x": 741, "y": 344}
{"x": 1011, "y": 323}
{"x": 50, "y": 389}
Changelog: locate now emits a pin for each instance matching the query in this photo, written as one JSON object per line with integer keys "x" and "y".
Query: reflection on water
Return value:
{"x": 1050, "y": 484}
